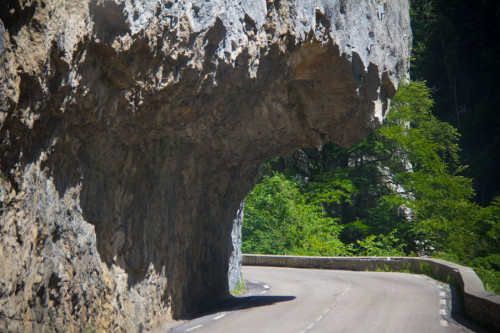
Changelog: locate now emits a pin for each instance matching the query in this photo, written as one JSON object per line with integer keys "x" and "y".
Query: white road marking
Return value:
{"x": 343, "y": 292}
{"x": 337, "y": 298}
{"x": 442, "y": 294}
{"x": 443, "y": 323}
{"x": 442, "y": 312}
{"x": 193, "y": 328}
{"x": 263, "y": 292}
{"x": 442, "y": 301}
{"x": 266, "y": 286}
{"x": 220, "y": 316}
{"x": 253, "y": 282}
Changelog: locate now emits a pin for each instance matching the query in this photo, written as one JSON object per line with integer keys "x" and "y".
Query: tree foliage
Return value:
{"x": 455, "y": 51}
{"x": 279, "y": 220}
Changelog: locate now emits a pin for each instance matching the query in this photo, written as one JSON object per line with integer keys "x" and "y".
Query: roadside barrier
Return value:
{"x": 480, "y": 306}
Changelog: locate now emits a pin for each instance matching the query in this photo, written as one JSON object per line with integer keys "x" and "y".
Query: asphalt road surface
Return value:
{"x": 310, "y": 300}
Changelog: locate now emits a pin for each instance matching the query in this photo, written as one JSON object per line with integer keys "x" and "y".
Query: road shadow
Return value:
{"x": 241, "y": 303}
{"x": 458, "y": 312}
{"x": 235, "y": 303}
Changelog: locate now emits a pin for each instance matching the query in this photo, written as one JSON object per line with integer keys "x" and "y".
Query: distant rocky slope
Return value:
{"x": 130, "y": 131}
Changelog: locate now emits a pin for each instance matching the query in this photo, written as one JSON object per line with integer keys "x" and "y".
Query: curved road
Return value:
{"x": 310, "y": 300}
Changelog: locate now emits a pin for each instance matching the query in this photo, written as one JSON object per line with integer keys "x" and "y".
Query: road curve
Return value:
{"x": 311, "y": 300}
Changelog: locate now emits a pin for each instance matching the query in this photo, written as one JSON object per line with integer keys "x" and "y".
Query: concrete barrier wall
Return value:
{"x": 479, "y": 305}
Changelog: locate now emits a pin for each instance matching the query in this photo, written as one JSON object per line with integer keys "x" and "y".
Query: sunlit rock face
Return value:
{"x": 130, "y": 131}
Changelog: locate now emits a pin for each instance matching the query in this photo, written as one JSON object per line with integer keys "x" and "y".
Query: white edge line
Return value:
{"x": 220, "y": 316}
{"x": 310, "y": 326}
{"x": 193, "y": 328}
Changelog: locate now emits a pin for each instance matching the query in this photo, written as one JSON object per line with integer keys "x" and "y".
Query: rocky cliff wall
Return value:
{"x": 130, "y": 131}
{"x": 236, "y": 259}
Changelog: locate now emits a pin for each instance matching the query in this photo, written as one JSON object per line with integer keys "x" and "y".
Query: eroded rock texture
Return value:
{"x": 132, "y": 130}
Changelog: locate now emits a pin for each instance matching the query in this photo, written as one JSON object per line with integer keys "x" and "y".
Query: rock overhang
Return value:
{"x": 139, "y": 127}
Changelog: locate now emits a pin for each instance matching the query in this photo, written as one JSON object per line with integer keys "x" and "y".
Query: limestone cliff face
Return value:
{"x": 130, "y": 131}
{"x": 235, "y": 261}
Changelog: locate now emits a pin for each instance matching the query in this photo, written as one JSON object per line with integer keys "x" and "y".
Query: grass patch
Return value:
{"x": 385, "y": 269}
{"x": 490, "y": 279}
{"x": 239, "y": 288}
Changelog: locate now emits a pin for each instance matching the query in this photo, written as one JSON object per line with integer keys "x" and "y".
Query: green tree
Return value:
{"x": 455, "y": 51}
{"x": 279, "y": 220}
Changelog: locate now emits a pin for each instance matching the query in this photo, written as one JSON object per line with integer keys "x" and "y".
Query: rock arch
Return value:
{"x": 131, "y": 131}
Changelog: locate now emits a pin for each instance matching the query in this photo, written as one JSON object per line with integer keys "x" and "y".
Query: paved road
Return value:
{"x": 307, "y": 300}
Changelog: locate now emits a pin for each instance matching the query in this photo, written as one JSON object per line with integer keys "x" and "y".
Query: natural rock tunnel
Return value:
{"x": 131, "y": 131}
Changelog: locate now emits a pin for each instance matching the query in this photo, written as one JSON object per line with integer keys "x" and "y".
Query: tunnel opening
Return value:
{"x": 326, "y": 201}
